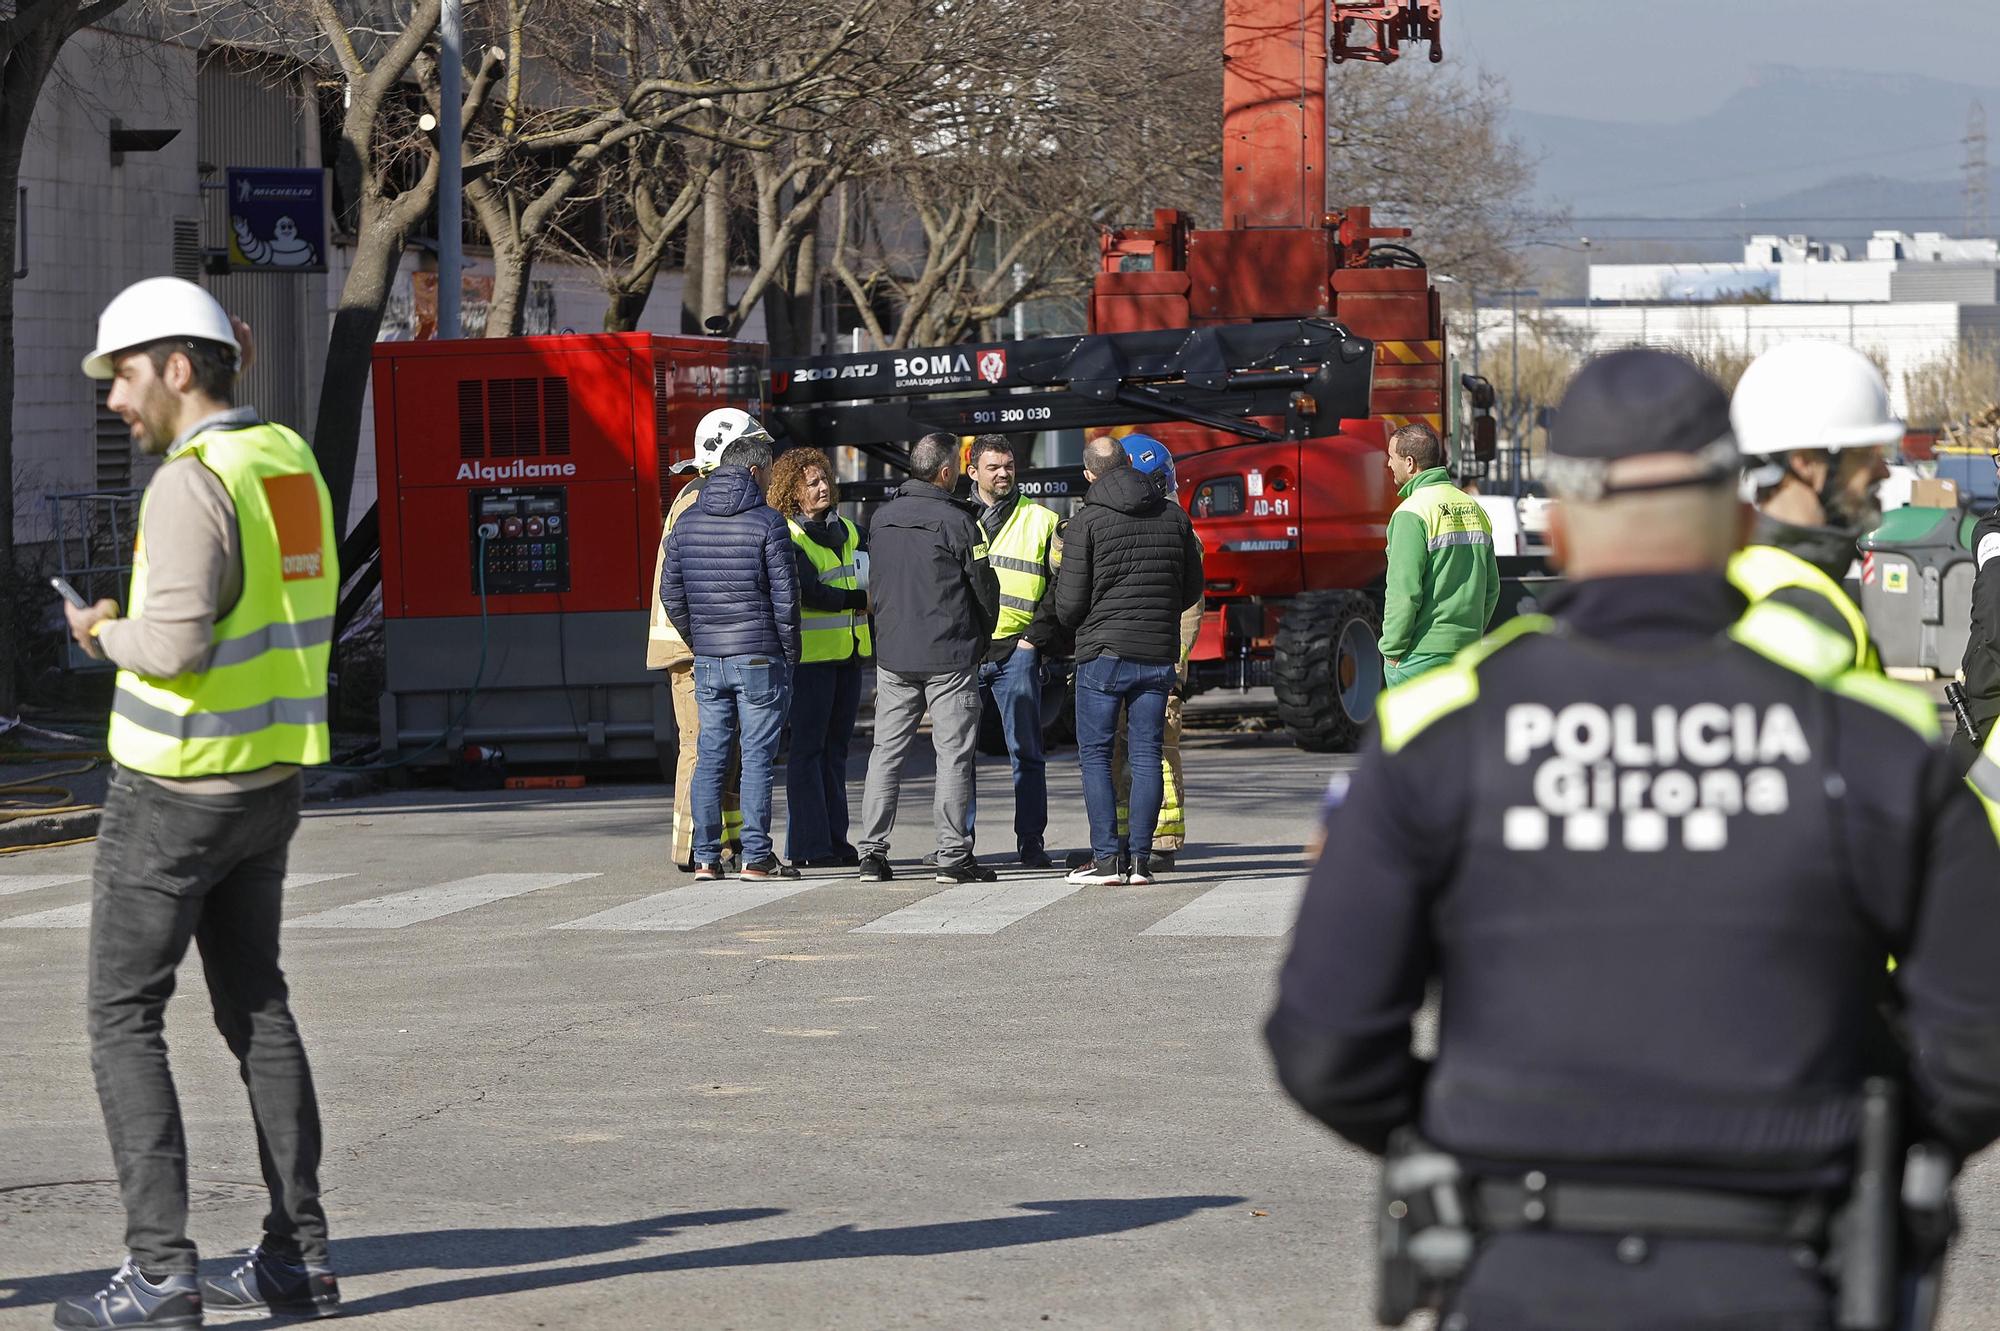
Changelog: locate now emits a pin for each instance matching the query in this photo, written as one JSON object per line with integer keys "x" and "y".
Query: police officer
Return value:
{"x": 667, "y": 650}
{"x": 1654, "y": 850}
{"x": 220, "y": 699}
{"x": 1812, "y": 420}
{"x": 1020, "y": 541}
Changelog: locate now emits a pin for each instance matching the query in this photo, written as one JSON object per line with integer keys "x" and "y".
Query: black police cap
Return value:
{"x": 1637, "y": 403}
{"x": 1629, "y": 403}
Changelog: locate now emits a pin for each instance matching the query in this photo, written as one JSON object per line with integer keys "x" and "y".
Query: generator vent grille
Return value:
{"x": 663, "y": 390}
{"x": 514, "y": 418}
{"x": 471, "y": 418}
{"x": 555, "y": 417}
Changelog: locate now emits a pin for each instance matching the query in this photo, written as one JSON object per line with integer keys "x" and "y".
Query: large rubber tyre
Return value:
{"x": 1326, "y": 669}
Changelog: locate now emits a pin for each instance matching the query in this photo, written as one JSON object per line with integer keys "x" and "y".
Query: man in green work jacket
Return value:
{"x": 1443, "y": 579}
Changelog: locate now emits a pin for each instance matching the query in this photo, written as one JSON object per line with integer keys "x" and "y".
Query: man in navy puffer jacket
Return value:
{"x": 730, "y": 588}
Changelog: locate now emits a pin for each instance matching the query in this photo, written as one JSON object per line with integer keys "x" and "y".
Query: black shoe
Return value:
{"x": 765, "y": 870}
{"x": 1141, "y": 872}
{"x": 131, "y": 1299}
{"x": 969, "y": 871}
{"x": 846, "y": 856}
{"x": 1161, "y": 862}
{"x": 266, "y": 1284}
{"x": 875, "y": 869}
{"x": 1036, "y": 859}
{"x": 1076, "y": 859}
{"x": 708, "y": 873}
{"x": 1092, "y": 874}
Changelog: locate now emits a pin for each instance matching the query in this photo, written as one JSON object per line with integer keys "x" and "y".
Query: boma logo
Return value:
{"x": 942, "y": 363}
{"x": 515, "y": 470}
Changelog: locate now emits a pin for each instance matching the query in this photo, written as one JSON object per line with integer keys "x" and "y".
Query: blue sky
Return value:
{"x": 1662, "y": 60}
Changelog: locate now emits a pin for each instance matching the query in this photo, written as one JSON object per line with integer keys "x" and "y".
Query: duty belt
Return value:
{"x": 1532, "y": 1201}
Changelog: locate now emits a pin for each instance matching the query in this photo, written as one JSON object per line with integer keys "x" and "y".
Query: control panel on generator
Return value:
{"x": 520, "y": 540}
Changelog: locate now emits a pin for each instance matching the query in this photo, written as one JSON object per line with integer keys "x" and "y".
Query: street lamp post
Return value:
{"x": 451, "y": 180}
{"x": 1513, "y": 295}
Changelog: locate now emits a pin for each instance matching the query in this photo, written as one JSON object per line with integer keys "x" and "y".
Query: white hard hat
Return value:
{"x": 1811, "y": 395}
{"x": 155, "y": 310}
{"x": 717, "y": 431}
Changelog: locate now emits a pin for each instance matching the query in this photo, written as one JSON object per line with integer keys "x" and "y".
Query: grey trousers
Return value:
{"x": 900, "y": 702}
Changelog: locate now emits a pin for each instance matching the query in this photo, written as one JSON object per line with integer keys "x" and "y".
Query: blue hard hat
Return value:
{"x": 1151, "y": 459}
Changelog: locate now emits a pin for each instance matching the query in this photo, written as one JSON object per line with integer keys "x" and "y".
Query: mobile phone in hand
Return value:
{"x": 69, "y": 593}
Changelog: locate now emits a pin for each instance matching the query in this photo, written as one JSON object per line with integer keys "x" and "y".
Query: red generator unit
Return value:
{"x": 523, "y": 483}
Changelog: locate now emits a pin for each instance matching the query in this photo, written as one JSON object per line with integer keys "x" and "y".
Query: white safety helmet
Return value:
{"x": 155, "y": 310}
{"x": 717, "y": 431}
{"x": 1808, "y": 395}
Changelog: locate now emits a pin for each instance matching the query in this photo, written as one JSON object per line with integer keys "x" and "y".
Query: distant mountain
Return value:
{"x": 1833, "y": 143}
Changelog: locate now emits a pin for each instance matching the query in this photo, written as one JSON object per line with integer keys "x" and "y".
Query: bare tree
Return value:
{"x": 32, "y": 36}
{"x": 383, "y": 161}
{"x": 1957, "y": 385}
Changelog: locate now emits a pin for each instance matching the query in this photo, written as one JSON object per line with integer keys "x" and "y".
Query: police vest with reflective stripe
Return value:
{"x": 1020, "y": 558}
{"x": 1759, "y": 571}
{"x": 832, "y": 635}
{"x": 259, "y": 697}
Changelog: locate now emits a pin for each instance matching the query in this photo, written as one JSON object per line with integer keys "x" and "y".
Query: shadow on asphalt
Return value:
{"x": 462, "y": 1249}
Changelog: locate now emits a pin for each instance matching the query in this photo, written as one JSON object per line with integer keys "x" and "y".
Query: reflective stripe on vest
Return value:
{"x": 1759, "y": 571}
{"x": 1020, "y": 559}
{"x": 259, "y": 696}
{"x": 1450, "y": 516}
{"x": 831, "y": 635}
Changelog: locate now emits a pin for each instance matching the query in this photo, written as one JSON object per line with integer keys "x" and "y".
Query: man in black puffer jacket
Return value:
{"x": 730, "y": 589}
{"x": 1130, "y": 566}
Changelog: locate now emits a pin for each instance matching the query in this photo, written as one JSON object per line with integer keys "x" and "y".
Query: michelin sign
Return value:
{"x": 277, "y": 220}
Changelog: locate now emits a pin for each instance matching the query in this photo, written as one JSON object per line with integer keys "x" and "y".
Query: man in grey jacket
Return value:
{"x": 935, "y": 599}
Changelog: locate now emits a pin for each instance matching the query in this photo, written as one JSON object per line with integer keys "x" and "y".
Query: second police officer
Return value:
{"x": 1655, "y": 852}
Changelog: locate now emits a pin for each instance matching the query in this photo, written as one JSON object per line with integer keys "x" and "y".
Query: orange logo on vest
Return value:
{"x": 294, "y": 502}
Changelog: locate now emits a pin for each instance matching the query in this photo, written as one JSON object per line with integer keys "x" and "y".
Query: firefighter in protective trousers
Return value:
{"x": 1656, "y": 852}
{"x": 667, "y": 650}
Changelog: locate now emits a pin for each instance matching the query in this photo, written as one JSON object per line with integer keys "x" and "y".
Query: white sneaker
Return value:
{"x": 1141, "y": 874}
{"x": 1094, "y": 875}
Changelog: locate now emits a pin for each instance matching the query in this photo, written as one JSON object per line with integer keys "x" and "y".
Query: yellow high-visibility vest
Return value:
{"x": 1021, "y": 560}
{"x": 832, "y": 635}
{"x": 1760, "y": 570}
{"x": 259, "y": 697}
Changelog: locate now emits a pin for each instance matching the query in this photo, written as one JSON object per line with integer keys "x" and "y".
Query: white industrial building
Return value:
{"x": 1927, "y": 265}
{"x": 94, "y": 221}
{"x": 1902, "y": 335}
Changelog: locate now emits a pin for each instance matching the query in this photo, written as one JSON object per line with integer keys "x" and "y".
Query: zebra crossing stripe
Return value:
{"x": 1244, "y": 908}
{"x": 686, "y": 908}
{"x": 973, "y": 908}
{"x": 78, "y": 916}
{"x": 400, "y": 909}
{"x": 30, "y": 882}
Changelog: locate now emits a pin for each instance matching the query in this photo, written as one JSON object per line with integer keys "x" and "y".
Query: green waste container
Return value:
{"x": 1916, "y": 588}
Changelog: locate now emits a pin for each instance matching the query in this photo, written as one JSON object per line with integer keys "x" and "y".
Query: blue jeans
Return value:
{"x": 826, "y": 695}
{"x": 1015, "y": 685}
{"x": 744, "y": 696}
{"x": 1103, "y": 685}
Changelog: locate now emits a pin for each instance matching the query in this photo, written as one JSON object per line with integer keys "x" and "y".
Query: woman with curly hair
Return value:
{"x": 834, "y": 639}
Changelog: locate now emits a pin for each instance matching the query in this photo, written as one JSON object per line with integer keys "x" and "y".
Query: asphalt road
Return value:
{"x": 556, "y": 1098}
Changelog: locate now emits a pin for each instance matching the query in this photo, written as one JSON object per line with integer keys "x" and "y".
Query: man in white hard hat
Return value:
{"x": 1812, "y": 421}
{"x": 220, "y": 700}
{"x": 666, "y": 650}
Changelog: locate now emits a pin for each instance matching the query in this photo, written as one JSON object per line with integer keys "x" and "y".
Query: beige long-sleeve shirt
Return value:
{"x": 194, "y": 576}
